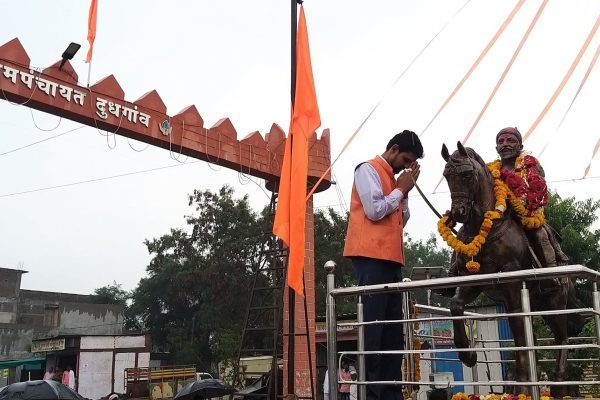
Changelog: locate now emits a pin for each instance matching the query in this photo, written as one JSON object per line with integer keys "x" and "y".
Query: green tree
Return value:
{"x": 330, "y": 234}
{"x": 574, "y": 221}
{"x": 111, "y": 294}
{"x": 194, "y": 298}
{"x": 426, "y": 253}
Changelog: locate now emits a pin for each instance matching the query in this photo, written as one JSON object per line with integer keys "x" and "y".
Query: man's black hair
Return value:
{"x": 407, "y": 141}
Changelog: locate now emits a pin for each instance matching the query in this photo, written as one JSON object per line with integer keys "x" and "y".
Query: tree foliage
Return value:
{"x": 193, "y": 300}
{"x": 195, "y": 295}
{"x": 111, "y": 294}
{"x": 330, "y": 234}
{"x": 574, "y": 221}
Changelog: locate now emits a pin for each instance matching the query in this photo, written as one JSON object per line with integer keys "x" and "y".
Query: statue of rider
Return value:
{"x": 530, "y": 187}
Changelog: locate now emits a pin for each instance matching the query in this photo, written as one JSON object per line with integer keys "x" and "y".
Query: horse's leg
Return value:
{"x": 558, "y": 325}
{"x": 463, "y": 296}
{"x": 512, "y": 296}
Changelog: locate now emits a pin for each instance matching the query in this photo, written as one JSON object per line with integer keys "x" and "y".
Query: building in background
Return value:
{"x": 26, "y": 315}
{"x": 99, "y": 361}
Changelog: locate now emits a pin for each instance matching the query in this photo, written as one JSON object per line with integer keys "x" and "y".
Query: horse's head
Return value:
{"x": 464, "y": 172}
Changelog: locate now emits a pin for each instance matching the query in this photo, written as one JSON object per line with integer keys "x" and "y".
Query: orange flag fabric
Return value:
{"x": 92, "y": 29}
{"x": 290, "y": 216}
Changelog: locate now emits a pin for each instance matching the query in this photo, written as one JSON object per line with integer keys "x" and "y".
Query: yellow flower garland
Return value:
{"x": 416, "y": 361}
{"x": 471, "y": 249}
{"x": 501, "y": 192}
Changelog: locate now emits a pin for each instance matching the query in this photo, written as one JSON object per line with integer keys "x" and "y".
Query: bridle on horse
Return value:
{"x": 459, "y": 169}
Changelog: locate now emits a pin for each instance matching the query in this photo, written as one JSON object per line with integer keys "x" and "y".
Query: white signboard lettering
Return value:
{"x": 48, "y": 345}
{"x": 104, "y": 108}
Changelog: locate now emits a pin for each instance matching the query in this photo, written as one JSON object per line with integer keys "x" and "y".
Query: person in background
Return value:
{"x": 345, "y": 376}
{"x": 49, "y": 374}
{"x": 68, "y": 378}
{"x": 65, "y": 377}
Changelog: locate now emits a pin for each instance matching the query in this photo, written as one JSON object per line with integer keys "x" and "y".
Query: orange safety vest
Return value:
{"x": 375, "y": 239}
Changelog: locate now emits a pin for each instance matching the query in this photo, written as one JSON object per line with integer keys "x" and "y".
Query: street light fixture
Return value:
{"x": 69, "y": 53}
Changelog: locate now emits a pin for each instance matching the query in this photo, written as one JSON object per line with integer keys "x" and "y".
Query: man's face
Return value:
{"x": 400, "y": 160}
{"x": 508, "y": 146}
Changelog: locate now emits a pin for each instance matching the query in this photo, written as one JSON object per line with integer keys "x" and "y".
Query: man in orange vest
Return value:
{"x": 378, "y": 213}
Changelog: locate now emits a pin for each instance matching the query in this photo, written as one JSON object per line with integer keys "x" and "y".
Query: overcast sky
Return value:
{"x": 231, "y": 59}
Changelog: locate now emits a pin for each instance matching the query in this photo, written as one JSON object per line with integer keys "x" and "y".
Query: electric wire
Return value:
{"x": 340, "y": 194}
{"x": 197, "y": 161}
{"x": 41, "y": 141}
{"x": 42, "y": 129}
{"x": 136, "y": 150}
{"x": 96, "y": 179}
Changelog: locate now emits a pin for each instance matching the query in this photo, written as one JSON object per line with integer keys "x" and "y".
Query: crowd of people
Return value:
{"x": 66, "y": 376}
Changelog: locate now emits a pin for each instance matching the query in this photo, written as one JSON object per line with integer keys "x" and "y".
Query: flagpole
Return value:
{"x": 291, "y": 292}
{"x": 89, "y": 73}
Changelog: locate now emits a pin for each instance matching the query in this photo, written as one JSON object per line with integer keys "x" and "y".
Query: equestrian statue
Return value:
{"x": 501, "y": 208}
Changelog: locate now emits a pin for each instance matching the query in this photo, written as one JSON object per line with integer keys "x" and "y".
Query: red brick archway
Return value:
{"x": 103, "y": 106}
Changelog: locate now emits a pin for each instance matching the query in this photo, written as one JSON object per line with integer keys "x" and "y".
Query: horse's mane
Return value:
{"x": 457, "y": 159}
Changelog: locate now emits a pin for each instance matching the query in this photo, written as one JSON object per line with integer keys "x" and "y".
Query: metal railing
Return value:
{"x": 406, "y": 286}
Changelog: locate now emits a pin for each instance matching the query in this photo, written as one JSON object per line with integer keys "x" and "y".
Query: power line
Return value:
{"x": 40, "y": 141}
{"x": 197, "y": 161}
{"x": 96, "y": 179}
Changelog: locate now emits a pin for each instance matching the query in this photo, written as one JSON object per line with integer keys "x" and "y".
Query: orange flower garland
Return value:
{"x": 471, "y": 249}
{"x": 491, "y": 396}
{"x": 502, "y": 191}
{"x": 416, "y": 361}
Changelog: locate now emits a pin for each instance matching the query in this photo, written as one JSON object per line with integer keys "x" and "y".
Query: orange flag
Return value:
{"x": 290, "y": 216}
{"x": 92, "y": 29}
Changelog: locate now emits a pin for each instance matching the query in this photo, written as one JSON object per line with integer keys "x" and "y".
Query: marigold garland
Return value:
{"x": 471, "y": 249}
{"x": 491, "y": 396}
{"x": 528, "y": 202}
{"x": 528, "y": 195}
{"x": 416, "y": 361}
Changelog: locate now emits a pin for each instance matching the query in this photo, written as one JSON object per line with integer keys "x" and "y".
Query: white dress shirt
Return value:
{"x": 375, "y": 204}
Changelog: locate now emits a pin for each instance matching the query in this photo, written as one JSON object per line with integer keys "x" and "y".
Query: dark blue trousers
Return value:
{"x": 380, "y": 307}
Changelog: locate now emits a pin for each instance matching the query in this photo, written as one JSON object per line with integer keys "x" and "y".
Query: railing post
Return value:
{"x": 596, "y": 297}
{"x": 331, "y": 323}
{"x": 529, "y": 341}
{"x": 362, "y": 372}
{"x": 408, "y": 336}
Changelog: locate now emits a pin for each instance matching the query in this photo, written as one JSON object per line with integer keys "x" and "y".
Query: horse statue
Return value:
{"x": 506, "y": 248}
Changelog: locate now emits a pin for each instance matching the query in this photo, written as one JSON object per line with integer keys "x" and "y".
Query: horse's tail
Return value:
{"x": 575, "y": 322}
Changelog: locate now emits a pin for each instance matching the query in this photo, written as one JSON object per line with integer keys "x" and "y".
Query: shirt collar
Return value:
{"x": 384, "y": 160}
